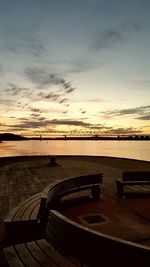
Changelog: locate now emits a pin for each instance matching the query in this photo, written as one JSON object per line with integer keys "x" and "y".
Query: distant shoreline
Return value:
{"x": 13, "y": 137}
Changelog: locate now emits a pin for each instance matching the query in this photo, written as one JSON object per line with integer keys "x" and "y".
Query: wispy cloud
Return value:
{"x": 144, "y": 117}
{"x": 37, "y": 110}
{"x": 6, "y": 102}
{"x": 26, "y": 95}
{"x": 51, "y": 96}
{"x": 82, "y": 65}
{"x": 14, "y": 90}
{"x": 123, "y": 131}
{"x": 43, "y": 79}
{"x": 143, "y": 112}
{"x": 94, "y": 100}
{"x": 112, "y": 37}
{"x": 108, "y": 38}
{"x": 50, "y": 86}
{"x": 24, "y": 40}
{"x": 43, "y": 122}
{"x": 72, "y": 123}
{"x": 84, "y": 100}
{"x": 83, "y": 111}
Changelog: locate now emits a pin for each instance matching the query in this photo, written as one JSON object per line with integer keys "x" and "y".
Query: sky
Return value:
{"x": 75, "y": 67}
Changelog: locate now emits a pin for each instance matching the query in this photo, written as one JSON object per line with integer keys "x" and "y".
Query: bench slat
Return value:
{"x": 132, "y": 179}
{"x": 12, "y": 257}
{"x": 52, "y": 254}
{"x": 136, "y": 176}
{"x": 38, "y": 254}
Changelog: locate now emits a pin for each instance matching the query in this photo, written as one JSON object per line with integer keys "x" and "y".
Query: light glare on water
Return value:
{"x": 126, "y": 149}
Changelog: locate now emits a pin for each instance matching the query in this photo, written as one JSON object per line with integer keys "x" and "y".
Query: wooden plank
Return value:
{"x": 12, "y": 257}
{"x": 35, "y": 254}
{"x": 26, "y": 214}
{"x": 17, "y": 209}
{"x": 38, "y": 254}
{"x": 35, "y": 210}
{"x": 18, "y": 216}
{"x": 25, "y": 254}
{"x": 52, "y": 254}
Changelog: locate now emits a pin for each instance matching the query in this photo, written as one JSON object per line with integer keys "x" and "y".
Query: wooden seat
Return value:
{"x": 131, "y": 179}
{"x": 69, "y": 186}
{"x": 36, "y": 253}
{"x": 28, "y": 253}
{"x": 51, "y": 197}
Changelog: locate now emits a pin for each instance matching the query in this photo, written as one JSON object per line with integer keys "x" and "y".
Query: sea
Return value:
{"x": 124, "y": 149}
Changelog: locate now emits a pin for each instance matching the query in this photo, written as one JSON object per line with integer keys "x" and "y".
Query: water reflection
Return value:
{"x": 127, "y": 149}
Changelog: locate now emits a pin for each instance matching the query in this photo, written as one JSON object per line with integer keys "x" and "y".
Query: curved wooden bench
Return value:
{"x": 21, "y": 218}
{"x": 93, "y": 248}
{"x": 67, "y": 237}
{"x": 36, "y": 252}
{"x": 88, "y": 246}
{"x": 52, "y": 197}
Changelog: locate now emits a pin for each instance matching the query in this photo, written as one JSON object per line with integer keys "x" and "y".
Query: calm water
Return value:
{"x": 126, "y": 149}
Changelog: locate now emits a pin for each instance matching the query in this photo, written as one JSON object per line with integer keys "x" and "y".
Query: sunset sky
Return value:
{"x": 74, "y": 67}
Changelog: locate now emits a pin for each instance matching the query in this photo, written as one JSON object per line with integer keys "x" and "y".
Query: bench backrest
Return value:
{"x": 136, "y": 176}
{"x": 60, "y": 188}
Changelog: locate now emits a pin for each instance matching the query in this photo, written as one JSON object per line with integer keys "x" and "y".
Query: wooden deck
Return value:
{"x": 23, "y": 180}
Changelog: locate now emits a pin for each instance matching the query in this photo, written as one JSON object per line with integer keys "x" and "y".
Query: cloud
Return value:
{"x": 43, "y": 125}
{"x": 85, "y": 100}
{"x": 82, "y": 65}
{"x": 15, "y": 96}
{"x": 43, "y": 122}
{"x": 59, "y": 98}
{"x": 63, "y": 101}
{"x": 50, "y": 95}
{"x": 145, "y": 117}
{"x": 82, "y": 111}
{"x": 15, "y": 90}
{"x": 122, "y": 130}
{"x": 113, "y": 36}
{"x": 72, "y": 123}
{"x": 108, "y": 38}
{"x": 6, "y": 102}
{"x": 43, "y": 79}
{"x": 20, "y": 40}
{"x": 29, "y": 94}
{"x": 144, "y": 111}
{"x": 37, "y": 110}
{"x": 94, "y": 100}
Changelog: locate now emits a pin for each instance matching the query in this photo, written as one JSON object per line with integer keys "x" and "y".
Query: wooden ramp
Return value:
{"x": 34, "y": 253}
